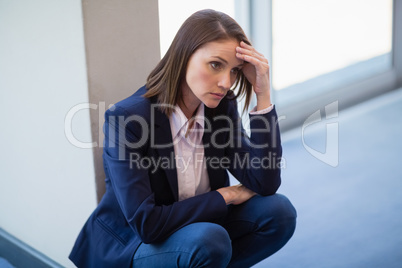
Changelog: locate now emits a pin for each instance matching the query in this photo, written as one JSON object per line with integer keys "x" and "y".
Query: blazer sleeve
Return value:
{"x": 124, "y": 135}
{"x": 256, "y": 160}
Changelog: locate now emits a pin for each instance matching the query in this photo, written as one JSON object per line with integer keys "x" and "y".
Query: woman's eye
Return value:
{"x": 215, "y": 65}
{"x": 235, "y": 70}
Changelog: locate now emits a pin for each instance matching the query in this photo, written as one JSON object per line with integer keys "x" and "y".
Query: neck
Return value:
{"x": 188, "y": 102}
{"x": 188, "y": 110}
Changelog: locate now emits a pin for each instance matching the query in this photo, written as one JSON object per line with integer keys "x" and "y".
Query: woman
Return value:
{"x": 167, "y": 151}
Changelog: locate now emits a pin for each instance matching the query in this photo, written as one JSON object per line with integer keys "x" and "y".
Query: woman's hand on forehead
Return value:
{"x": 256, "y": 70}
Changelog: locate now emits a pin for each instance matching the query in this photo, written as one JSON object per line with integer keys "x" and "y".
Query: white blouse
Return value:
{"x": 192, "y": 174}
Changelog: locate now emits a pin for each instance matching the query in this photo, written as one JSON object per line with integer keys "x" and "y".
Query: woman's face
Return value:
{"x": 211, "y": 72}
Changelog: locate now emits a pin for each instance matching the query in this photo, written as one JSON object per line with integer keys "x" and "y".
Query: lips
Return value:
{"x": 218, "y": 95}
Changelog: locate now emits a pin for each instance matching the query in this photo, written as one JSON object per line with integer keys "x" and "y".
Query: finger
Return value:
{"x": 249, "y": 47}
{"x": 253, "y": 60}
{"x": 245, "y": 45}
{"x": 252, "y": 53}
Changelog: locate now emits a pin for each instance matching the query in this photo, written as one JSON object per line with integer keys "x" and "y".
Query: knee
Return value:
{"x": 274, "y": 211}
{"x": 283, "y": 215}
{"x": 282, "y": 208}
{"x": 213, "y": 244}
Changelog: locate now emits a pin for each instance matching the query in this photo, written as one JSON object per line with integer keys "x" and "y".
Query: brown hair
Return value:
{"x": 200, "y": 28}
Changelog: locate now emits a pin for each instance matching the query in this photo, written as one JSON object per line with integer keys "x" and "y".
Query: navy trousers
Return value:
{"x": 248, "y": 234}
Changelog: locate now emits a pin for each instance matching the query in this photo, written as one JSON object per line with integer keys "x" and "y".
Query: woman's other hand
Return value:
{"x": 256, "y": 70}
{"x": 236, "y": 194}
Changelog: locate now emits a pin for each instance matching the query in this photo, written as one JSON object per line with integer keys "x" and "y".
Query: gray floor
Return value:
{"x": 349, "y": 215}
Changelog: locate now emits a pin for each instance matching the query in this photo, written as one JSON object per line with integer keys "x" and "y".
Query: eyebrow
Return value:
{"x": 225, "y": 61}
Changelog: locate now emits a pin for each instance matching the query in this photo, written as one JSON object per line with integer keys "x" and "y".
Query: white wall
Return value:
{"x": 47, "y": 186}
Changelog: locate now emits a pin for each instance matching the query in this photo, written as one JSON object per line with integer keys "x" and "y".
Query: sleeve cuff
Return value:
{"x": 263, "y": 111}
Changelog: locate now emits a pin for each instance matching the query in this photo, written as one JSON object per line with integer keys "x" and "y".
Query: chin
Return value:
{"x": 211, "y": 104}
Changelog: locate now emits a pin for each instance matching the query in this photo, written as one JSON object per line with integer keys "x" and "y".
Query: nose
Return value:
{"x": 225, "y": 81}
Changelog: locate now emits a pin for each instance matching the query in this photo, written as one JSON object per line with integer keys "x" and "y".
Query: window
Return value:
{"x": 318, "y": 46}
{"x": 325, "y": 51}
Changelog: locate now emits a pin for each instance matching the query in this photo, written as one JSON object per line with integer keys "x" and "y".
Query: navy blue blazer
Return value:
{"x": 140, "y": 204}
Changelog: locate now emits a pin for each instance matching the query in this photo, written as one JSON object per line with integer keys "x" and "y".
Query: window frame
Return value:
{"x": 256, "y": 17}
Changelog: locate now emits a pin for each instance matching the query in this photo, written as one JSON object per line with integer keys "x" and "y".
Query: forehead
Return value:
{"x": 225, "y": 49}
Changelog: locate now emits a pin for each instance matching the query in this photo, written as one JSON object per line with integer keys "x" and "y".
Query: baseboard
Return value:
{"x": 20, "y": 254}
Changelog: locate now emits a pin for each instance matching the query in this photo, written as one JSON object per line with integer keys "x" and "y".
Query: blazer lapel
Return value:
{"x": 216, "y": 177}
{"x": 163, "y": 144}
